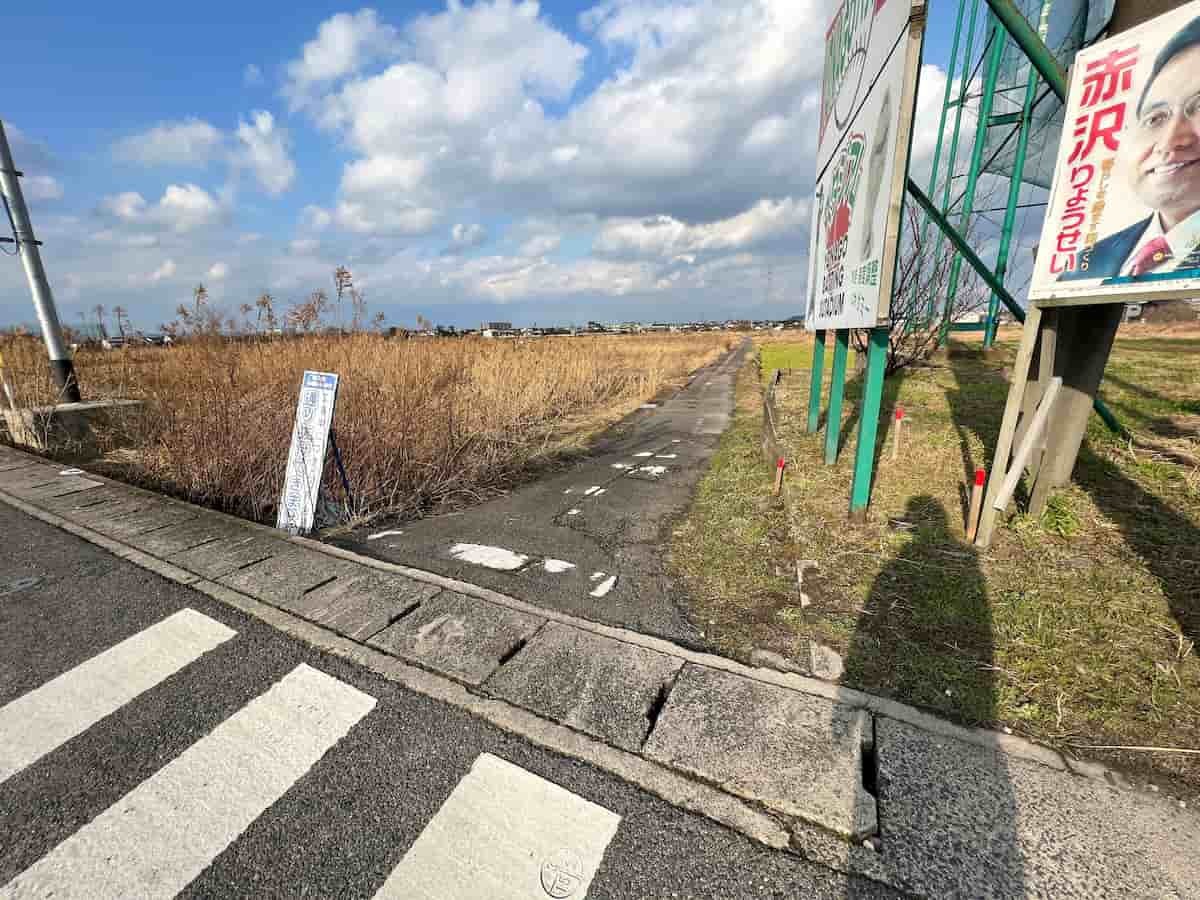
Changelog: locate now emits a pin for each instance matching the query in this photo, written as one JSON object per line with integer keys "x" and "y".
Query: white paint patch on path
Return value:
{"x": 492, "y": 557}
{"x": 645, "y": 454}
{"x": 557, "y": 566}
{"x": 649, "y": 406}
{"x": 574, "y": 512}
{"x": 157, "y": 838}
{"x": 505, "y": 834}
{"x": 382, "y": 534}
{"x": 44, "y": 719}
{"x": 622, "y": 466}
{"x": 653, "y": 471}
{"x": 605, "y": 586}
{"x": 667, "y": 456}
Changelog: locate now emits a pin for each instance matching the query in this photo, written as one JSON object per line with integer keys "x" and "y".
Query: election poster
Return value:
{"x": 872, "y": 52}
{"x": 1123, "y": 220}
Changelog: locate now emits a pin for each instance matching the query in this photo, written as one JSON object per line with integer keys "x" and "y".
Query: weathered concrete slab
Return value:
{"x": 794, "y": 753}
{"x": 111, "y": 504}
{"x": 961, "y": 820}
{"x": 362, "y": 606}
{"x": 150, "y": 517}
{"x": 22, "y": 482}
{"x": 597, "y": 685}
{"x": 288, "y": 574}
{"x": 185, "y": 536}
{"x": 217, "y": 559}
{"x": 458, "y": 636}
{"x": 62, "y": 485}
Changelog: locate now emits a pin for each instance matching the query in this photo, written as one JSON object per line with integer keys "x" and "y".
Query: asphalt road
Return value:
{"x": 588, "y": 540}
{"x": 339, "y": 824}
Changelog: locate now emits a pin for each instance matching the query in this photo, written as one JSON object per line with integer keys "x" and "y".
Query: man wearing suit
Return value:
{"x": 1161, "y": 153}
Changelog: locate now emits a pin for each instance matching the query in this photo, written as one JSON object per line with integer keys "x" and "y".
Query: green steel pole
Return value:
{"x": 992, "y": 282}
{"x": 814, "y": 382}
{"x": 937, "y": 147}
{"x": 837, "y": 388}
{"x": 1014, "y": 186}
{"x": 1033, "y": 46}
{"x": 961, "y": 102}
{"x": 868, "y": 423}
{"x": 985, "y": 113}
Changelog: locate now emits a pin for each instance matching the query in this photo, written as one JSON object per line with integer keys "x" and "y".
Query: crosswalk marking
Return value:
{"x": 38, "y": 722}
{"x": 162, "y": 834}
{"x": 504, "y": 833}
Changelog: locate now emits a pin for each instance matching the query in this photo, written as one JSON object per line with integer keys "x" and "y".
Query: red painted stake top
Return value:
{"x": 780, "y": 463}
{"x": 980, "y": 477}
{"x": 899, "y": 413}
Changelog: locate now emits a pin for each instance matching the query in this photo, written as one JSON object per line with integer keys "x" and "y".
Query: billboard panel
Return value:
{"x": 862, "y": 162}
{"x": 306, "y": 457}
{"x": 1123, "y": 220}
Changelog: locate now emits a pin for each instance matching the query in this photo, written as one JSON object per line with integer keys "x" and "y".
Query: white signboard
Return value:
{"x": 873, "y": 50}
{"x": 1123, "y": 221}
{"x": 306, "y": 458}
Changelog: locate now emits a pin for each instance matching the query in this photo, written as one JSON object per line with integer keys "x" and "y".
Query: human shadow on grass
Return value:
{"x": 1166, "y": 540}
{"x": 925, "y": 636}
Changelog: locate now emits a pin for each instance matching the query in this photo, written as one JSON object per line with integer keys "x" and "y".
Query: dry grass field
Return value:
{"x": 421, "y": 423}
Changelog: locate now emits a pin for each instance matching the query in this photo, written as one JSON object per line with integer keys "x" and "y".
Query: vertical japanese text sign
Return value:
{"x": 1123, "y": 221}
{"x": 868, "y": 93}
{"x": 306, "y": 458}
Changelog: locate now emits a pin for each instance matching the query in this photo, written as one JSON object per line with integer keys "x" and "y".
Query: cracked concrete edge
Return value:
{"x": 674, "y": 788}
{"x": 1011, "y": 745}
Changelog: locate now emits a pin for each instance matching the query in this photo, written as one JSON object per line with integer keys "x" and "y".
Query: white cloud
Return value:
{"x": 264, "y": 150}
{"x": 189, "y": 142}
{"x": 668, "y": 237}
{"x": 42, "y": 187}
{"x": 344, "y": 44}
{"x": 315, "y": 218}
{"x": 540, "y": 245}
{"x": 464, "y": 237}
{"x": 304, "y": 246}
{"x": 218, "y": 271}
{"x": 163, "y": 272}
{"x": 395, "y": 217}
{"x": 252, "y": 75}
{"x": 182, "y": 208}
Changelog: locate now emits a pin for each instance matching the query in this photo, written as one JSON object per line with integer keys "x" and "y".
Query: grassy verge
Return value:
{"x": 1077, "y": 629}
{"x": 421, "y": 424}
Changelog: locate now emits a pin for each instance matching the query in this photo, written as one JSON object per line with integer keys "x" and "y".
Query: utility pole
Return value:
{"x": 61, "y": 366}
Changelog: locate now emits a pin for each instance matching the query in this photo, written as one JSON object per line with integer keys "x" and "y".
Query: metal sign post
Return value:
{"x": 306, "y": 458}
{"x": 61, "y": 366}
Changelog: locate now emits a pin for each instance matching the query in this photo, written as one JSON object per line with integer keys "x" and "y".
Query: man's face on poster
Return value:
{"x": 1163, "y": 145}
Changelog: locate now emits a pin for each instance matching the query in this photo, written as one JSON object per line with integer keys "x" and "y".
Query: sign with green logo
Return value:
{"x": 872, "y": 52}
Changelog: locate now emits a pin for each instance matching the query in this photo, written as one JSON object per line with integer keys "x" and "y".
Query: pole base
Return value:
{"x": 63, "y": 371}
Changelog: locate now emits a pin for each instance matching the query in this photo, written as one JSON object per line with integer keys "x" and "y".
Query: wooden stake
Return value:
{"x": 779, "y": 475}
{"x": 976, "y": 505}
{"x": 896, "y": 433}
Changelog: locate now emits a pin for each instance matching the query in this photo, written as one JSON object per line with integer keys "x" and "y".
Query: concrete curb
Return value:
{"x": 1008, "y": 744}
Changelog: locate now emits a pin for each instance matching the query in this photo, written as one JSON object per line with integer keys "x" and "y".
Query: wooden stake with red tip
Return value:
{"x": 779, "y": 475}
{"x": 896, "y": 433}
{"x": 976, "y": 505}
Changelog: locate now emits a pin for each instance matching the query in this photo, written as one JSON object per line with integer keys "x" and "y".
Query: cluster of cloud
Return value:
{"x": 662, "y": 149}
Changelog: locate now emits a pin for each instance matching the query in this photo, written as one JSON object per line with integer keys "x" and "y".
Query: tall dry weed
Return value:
{"x": 421, "y": 423}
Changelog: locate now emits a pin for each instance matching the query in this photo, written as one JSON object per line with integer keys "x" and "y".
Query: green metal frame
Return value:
{"x": 837, "y": 389}
{"x": 1040, "y": 56}
{"x": 1014, "y": 184}
{"x": 814, "y": 383}
{"x": 868, "y": 421}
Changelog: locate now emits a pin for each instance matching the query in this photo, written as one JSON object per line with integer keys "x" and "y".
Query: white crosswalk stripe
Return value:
{"x": 166, "y": 831}
{"x": 504, "y": 834}
{"x": 38, "y": 722}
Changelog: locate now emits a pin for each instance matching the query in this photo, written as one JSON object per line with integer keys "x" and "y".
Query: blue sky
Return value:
{"x": 554, "y": 163}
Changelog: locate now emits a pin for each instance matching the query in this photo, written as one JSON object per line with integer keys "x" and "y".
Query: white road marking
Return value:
{"x": 649, "y": 406}
{"x": 574, "y": 512}
{"x": 622, "y": 466}
{"x": 166, "y": 831}
{"x": 557, "y": 565}
{"x": 596, "y": 576}
{"x": 568, "y": 490}
{"x": 676, "y": 441}
{"x": 653, "y": 471}
{"x": 382, "y": 534}
{"x": 601, "y": 491}
{"x": 504, "y": 833}
{"x": 492, "y": 557}
{"x": 46, "y": 718}
{"x": 605, "y": 586}
{"x": 71, "y": 472}
{"x": 644, "y": 455}
{"x": 666, "y": 456}
{"x": 594, "y": 489}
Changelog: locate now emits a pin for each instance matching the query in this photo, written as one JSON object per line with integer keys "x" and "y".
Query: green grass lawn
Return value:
{"x": 1076, "y": 629}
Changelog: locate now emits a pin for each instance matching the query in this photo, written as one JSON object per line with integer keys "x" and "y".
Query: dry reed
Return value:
{"x": 421, "y": 423}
